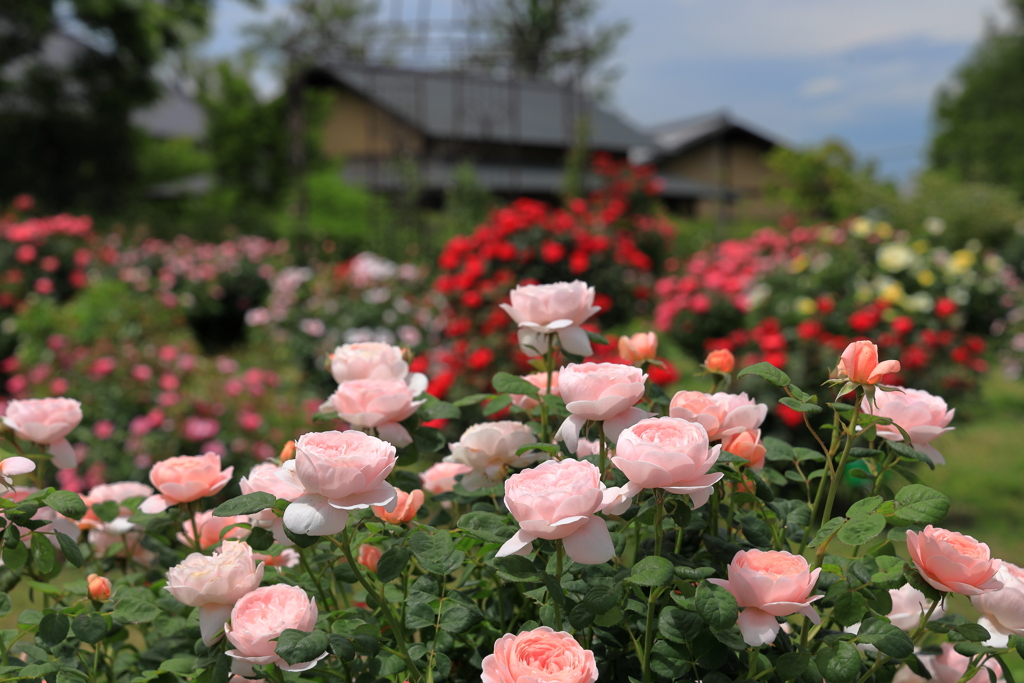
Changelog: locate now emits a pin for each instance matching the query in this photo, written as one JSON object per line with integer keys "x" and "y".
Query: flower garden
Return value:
{"x": 234, "y": 461}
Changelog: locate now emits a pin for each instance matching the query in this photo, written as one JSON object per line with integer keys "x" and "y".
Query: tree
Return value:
{"x": 548, "y": 39}
{"x": 979, "y": 117}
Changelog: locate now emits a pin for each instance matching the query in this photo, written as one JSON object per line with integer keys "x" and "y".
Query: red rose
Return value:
{"x": 552, "y": 252}
{"x": 945, "y": 307}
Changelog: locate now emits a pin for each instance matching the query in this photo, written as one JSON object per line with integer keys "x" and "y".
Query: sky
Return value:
{"x": 864, "y": 71}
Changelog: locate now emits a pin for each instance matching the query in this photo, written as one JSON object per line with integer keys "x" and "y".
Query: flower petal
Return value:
{"x": 591, "y": 543}
{"x": 313, "y": 515}
{"x": 758, "y": 627}
{"x": 212, "y": 618}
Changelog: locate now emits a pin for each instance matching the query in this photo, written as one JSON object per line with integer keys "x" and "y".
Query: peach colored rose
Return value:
{"x": 605, "y": 392}
{"x": 406, "y": 508}
{"x": 490, "y": 449}
{"x": 539, "y": 380}
{"x": 859, "y": 364}
{"x": 98, "y": 587}
{"x": 769, "y": 584}
{"x": 558, "y": 500}
{"x": 923, "y": 416}
{"x": 377, "y": 403}
{"x": 742, "y": 413}
{"x": 259, "y": 618}
{"x": 746, "y": 445}
{"x": 369, "y": 556}
{"x": 117, "y": 492}
{"x": 667, "y": 453}
{"x": 952, "y": 562}
{"x": 908, "y": 606}
{"x": 339, "y": 471}
{"x": 696, "y": 406}
{"x": 640, "y": 347}
{"x": 210, "y": 530}
{"x": 286, "y": 559}
{"x": 721, "y": 361}
{"x": 539, "y": 656}
{"x": 266, "y": 477}
{"x": 46, "y": 421}
{"x": 1004, "y": 609}
{"x": 287, "y": 451}
{"x": 542, "y": 311}
{"x": 440, "y": 477}
{"x": 214, "y": 584}
{"x": 13, "y": 466}
{"x": 947, "y": 667}
{"x": 183, "y": 479}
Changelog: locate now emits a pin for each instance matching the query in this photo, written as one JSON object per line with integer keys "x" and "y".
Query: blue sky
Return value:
{"x": 865, "y": 71}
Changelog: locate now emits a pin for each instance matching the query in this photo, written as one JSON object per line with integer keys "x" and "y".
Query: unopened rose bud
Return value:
{"x": 640, "y": 347}
{"x": 99, "y": 587}
{"x": 369, "y": 555}
{"x": 288, "y": 452}
{"x": 721, "y": 361}
{"x": 407, "y": 355}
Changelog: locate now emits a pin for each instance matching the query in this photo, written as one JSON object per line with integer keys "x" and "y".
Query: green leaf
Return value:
{"x": 516, "y": 568}
{"x": 600, "y": 599}
{"x": 973, "y": 632}
{"x": 432, "y": 549}
{"x": 70, "y": 548}
{"x": 107, "y": 511}
{"x": 826, "y": 530}
{"x": 16, "y": 557}
{"x": 918, "y": 504}
{"x": 791, "y": 665}
{"x": 486, "y": 526}
{"x": 295, "y": 646}
{"x": 680, "y": 625}
{"x": 428, "y": 439}
{"x": 498, "y": 404}
{"x": 43, "y": 554}
{"x": 341, "y": 647}
{"x": 864, "y": 507}
{"x": 392, "y": 563}
{"x": 839, "y": 663}
{"x": 762, "y": 490}
{"x": 850, "y": 607}
{"x": 546, "y": 447}
{"x": 67, "y": 503}
{"x": 903, "y": 450}
{"x": 800, "y": 406}
{"x": 652, "y": 571}
{"x": 436, "y": 409}
{"x": 135, "y": 611}
{"x": 694, "y": 573}
{"x": 505, "y": 383}
{"x": 260, "y": 538}
{"x": 472, "y": 400}
{"x": 862, "y": 529}
{"x": 89, "y": 627}
{"x": 670, "y": 661}
{"x": 887, "y": 638}
{"x": 302, "y": 540}
{"x": 460, "y": 618}
{"x": 249, "y": 504}
{"x": 580, "y": 617}
{"x": 766, "y": 371}
{"x": 716, "y": 606}
{"x": 5, "y": 604}
{"x": 54, "y": 627}
{"x": 181, "y": 664}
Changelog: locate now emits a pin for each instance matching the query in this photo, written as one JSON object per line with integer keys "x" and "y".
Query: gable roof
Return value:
{"x": 471, "y": 107}
{"x": 678, "y": 136}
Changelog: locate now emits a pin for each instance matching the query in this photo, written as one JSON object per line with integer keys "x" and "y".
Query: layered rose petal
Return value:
{"x": 923, "y": 416}
{"x": 43, "y": 420}
{"x": 742, "y": 413}
{"x": 260, "y": 617}
{"x": 747, "y": 445}
{"x": 1004, "y": 608}
{"x": 953, "y": 562}
{"x": 489, "y": 449}
{"x": 186, "y": 478}
{"x": 559, "y": 309}
{"x": 440, "y": 477}
{"x": 539, "y": 656}
{"x": 368, "y": 360}
{"x": 908, "y": 606}
{"x": 696, "y": 406}
{"x": 372, "y": 402}
{"x": 406, "y": 507}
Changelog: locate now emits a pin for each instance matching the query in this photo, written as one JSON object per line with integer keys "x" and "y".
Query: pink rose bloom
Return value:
{"x": 859, "y": 364}
{"x": 768, "y": 585}
{"x": 214, "y": 584}
{"x": 408, "y": 504}
{"x": 696, "y": 406}
{"x": 539, "y": 380}
{"x": 558, "y": 499}
{"x": 1003, "y": 609}
{"x": 923, "y": 416}
{"x": 339, "y": 471}
{"x": 374, "y": 360}
{"x": 46, "y": 421}
{"x": 198, "y": 428}
{"x": 266, "y": 477}
{"x": 560, "y": 309}
{"x": 948, "y": 667}
{"x": 211, "y": 530}
{"x": 15, "y": 465}
{"x": 586, "y": 448}
{"x": 600, "y": 392}
{"x": 641, "y": 347}
{"x": 440, "y": 477}
{"x": 377, "y": 403}
{"x": 540, "y": 655}
{"x": 908, "y": 605}
{"x": 259, "y": 618}
{"x": 667, "y": 453}
{"x": 742, "y": 413}
{"x": 489, "y": 448}
{"x": 183, "y": 479}
{"x": 952, "y": 562}
{"x": 369, "y": 556}
{"x": 747, "y": 445}
{"x": 287, "y": 559}
{"x": 117, "y": 492}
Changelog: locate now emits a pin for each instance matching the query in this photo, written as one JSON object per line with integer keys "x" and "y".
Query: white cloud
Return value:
{"x": 822, "y": 85}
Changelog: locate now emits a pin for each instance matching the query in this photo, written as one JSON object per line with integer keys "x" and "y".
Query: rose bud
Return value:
{"x": 638, "y": 348}
{"x": 747, "y": 445}
{"x": 720, "y": 361}
{"x": 859, "y": 364}
{"x": 406, "y": 509}
{"x": 288, "y": 452}
{"x": 369, "y": 556}
{"x": 99, "y": 587}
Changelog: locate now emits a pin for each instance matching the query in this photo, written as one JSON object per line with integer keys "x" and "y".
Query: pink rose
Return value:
{"x": 640, "y": 347}
{"x": 183, "y": 479}
{"x": 923, "y": 416}
{"x": 377, "y": 403}
{"x": 742, "y": 413}
{"x": 1004, "y": 609}
{"x": 369, "y": 556}
{"x": 558, "y": 499}
{"x": 15, "y": 465}
{"x": 696, "y": 406}
{"x": 604, "y": 392}
{"x": 408, "y": 504}
{"x": 947, "y": 667}
{"x": 259, "y": 618}
{"x": 586, "y": 448}
{"x": 46, "y": 421}
{"x": 211, "y": 529}
{"x": 118, "y": 492}
{"x": 339, "y": 471}
{"x": 667, "y": 453}
{"x": 198, "y": 428}
{"x": 266, "y": 477}
{"x": 541, "y": 311}
{"x": 747, "y": 445}
{"x": 287, "y": 559}
{"x": 768, "y": 585}
{"x": 214, "y": 584}
{"x": 539, "y": 655}
{"x": 440, "y": 477}
{"x": 908, "y": 606}
{"x": 952, "y": 562}
{"x": 859, "y": 364}
{"x": 374, "y": 360}
{"x": 539, "y": 380}
{"x": 489, "y": 448}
